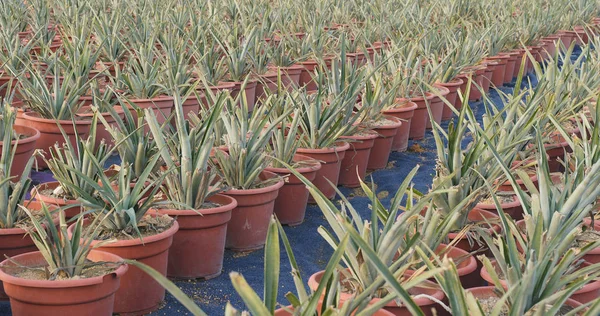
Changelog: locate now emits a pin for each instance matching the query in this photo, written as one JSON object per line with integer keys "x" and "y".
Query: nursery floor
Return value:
{"x": 311, "y": 251}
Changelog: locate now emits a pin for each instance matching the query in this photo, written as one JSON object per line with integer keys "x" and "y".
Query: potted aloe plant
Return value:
{"x": 66, "y": 274}
{"x": 290, "y": 205}
{"x": 136, "y": 234}
{"x": 242, "y": 169}
{"x": 191, "y": 197}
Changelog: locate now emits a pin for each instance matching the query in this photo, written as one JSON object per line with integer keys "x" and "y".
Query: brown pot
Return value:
{"x": 588, "y": 293}
{"x": 513, "y": 209}
{"x": 247, "y": 229}
{"x": 266, "y": 85}
{"x": 404, "y": 112}
{"x": 191, "y": 105}
{"x": 477, "y": 73}
{"x": 356, "y": 159}
{"x": 331, "y": 162}
{"x": 476, "y": 215}
{"x": 429, "y": 288}
{"x": 418, "y": 123}
{"x": 485, "y": 292}
{"x": 593, "y": 256}
{"x": 222, "y": 86}
{"x": 509, "y": 70}
{"x": 490, "y": 68}
{"x": 139, "y": 293}
{"x": 306, "y": 76}
{"x": 14, "y": 241}
{"x": 357, "y": 59}
{"x": 500, "y": 70}
{"x": 437, "y": 106}
{"x": 199, "y": 244}
{"x": 452, "y": 97}
{"x": 290, "y": 204}
{"x": 382, "y": 147}
{"x": 25, "y": 149}
{"x": 86, "y": 296}
{"x": 290, "y": 76}
{"x": 50, "y": 132}
{"x": 249, "y": 92}
{"x": 70, "y": 212}
{"x": 162, "y": 106}
{"x": 101, "y": 132}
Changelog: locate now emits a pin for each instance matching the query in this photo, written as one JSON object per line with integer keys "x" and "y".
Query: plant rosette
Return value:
{"x": 588, "y": 293}
{"x": 437, "y": 105}
{"x": 31, "y": 295}
{"x": 382, "y": 147}
{"x": 290, "y": 204}
{"x": 331, "y": 163}
{"x": 453, "y": 86}
{"x": 429, "y": 289}
{"x": 247, "y": 229}
{"x": 139, "y": 293}
{"x": 199, "y": 244}
{"x": 25, "y": 146}
{"x": 418, "y": 123}
{"x": 405, "y": 112}
{"x": 356, "y": 159}
{"x": 50, "y": 132}
{"x": 487, "y": 293}
{"x": 101, "y": 132}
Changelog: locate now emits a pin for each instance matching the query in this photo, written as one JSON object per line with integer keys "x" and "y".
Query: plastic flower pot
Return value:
{"x": 437, "y": 105}
{"x": 500, "y": 70}
{"x": 477, "y": 73}
{"x": 162, "y": 106}
{"x": 429, "y": 288}
{"x": 50, "y": 132}
{"x": 490, "y": 68}
{"x": 25, "y": 148}
{"x": 404, "y": 112}
{"x": 513, "y": 209}
{"x": 476, "y": 215}
{"x": 331, "y": 162}
{"x": 310, "y": 66}
{"x": 199, "y": 244}
{"x": 266, "y": 84}
{"x": 382, "y": 147}
{"x": 222, "y": 86}
{"x": 83, "y": 296}
{"x": 593, "y": 256}
{"x": 486, "y": 292}
{"x": 418, "y": 123}
{"x": 249, "y": 92}
{"x": 452, "y": 97}
{"x": 101, "y": 132}
{"x": 290, "y": 76}
{"x": 139, "y": 293}
{"x": 247, "y": 229}
{"x": 509, "y": 71}
{"x": 38, "y": 192}
{"x": 354, "y": 164}
{"x": 290, "y": 204}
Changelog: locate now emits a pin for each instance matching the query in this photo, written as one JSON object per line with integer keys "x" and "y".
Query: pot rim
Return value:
{"x": 31, "y": 137}
{"x": 36, "y": 117}
{"x": 315, "y": 166}
{"x": 268, "y": 189}
{"x": 224, "y": 208}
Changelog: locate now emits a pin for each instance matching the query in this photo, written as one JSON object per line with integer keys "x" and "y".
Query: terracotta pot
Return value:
{"x": 266, "y": 84}
{"x": 476, "y": 215}
{"x": 199, "y": 244}
{"x": 382, "y": 147}
{"x": 567, "y": 37}
{"x": 461, "y": 91}
{"x": 513, "y": 209}
{"x": 588, "y": 293}
{"x": 222, "y": 86}
{"x": 14, "y": 241}
{"x": 247, "y": 229}
{"x": 404, "y": 112}
{"x": 162, "y": 106}
{"x": 489, "y": 72}
{"x": 500, "y": 70}
{"x": 582, "y": 37}
{"x": 357, "y": 59}
{"x": 306, "y": 76}
{"x": 331, "y": 162}
{"x": 557, "y": 150}
{"x": 290, "y": 204}
{"x": 485, "y": 292}
{"x": 418, "y": 123}
{"x": 477, "y": 73}
{"x": 89, "y": 296}
{"x": 110, "y": 67}
{"x": 70, "y": 212}
{"x": 518, "y": 61}
{"x": 25, "y": 149}
{"x": 290, "y": 76}
{"x": 593, "y": 256}
{"x": 354, "y": 164}
{"x": 139, "y": 293}
{"x": 452, "y": 97}
{"x": 50, "y": 133}
{"x": 426, "y": 304}
{"x": 249, "y": 92}
{"x": 190, "y": 105}
{"x": 509, "y": 70}
{"x": 437, "y": 106}
{"x": 101, "y": 132}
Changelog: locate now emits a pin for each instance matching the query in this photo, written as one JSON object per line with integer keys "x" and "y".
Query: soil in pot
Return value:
{"x": 452, "y": 97}
{"x": 290, "y": 204}
{"x": 50, "y": 132}
{"x": 356, "y": 159}
{"x": 331, "y": 162}
{"x": 26, "y": 144}
{"x": 199, "y": 244}
{"x": 382, "y": 147}
{"x": 32, "y": 294}
{"x": 247, "y": 229}
{"x": 404, "y": 112}
{"x": 139, "y": 293}
{"x": 418, "y": 122}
